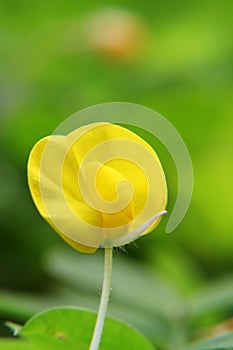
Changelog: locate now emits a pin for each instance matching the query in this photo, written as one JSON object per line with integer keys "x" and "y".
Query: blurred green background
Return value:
{"x": 173, "y": 56}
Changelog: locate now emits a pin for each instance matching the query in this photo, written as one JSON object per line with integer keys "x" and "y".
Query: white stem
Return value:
{"x": 103, "y": 300}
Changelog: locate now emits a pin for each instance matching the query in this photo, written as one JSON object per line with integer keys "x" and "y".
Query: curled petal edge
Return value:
{"x": 135, "y": 234}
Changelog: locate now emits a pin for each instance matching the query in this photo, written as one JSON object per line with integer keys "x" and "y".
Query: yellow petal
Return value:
{"x": 96, "y": 184}
{"x": 34, "y": 185}
{"x": 114, "y": 203}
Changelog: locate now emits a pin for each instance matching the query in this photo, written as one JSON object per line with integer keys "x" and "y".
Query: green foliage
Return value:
{"x": 158, "y": 306}
{"x": 175, "y": 289}
{"x": 70, "y": 328}
{"x": 217, "y": 343}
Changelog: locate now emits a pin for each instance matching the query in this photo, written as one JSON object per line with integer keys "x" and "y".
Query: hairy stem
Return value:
{"x": 103, "y": 300}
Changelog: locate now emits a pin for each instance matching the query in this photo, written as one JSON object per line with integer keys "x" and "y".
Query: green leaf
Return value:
{"x": 216, "y": 296}
{"x": 69, "y": 328}
{"x": 218, "y": 343}
{"x": 14, "y": 345}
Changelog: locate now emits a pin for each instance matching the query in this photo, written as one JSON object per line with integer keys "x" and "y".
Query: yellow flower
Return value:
{"x": 99, "y": 186}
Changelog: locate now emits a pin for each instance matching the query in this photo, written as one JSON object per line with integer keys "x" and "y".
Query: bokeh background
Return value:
{"x": 173, "y": 56}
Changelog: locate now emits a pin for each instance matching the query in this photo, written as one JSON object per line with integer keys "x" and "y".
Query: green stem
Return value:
{"x": 103, "y": 300}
